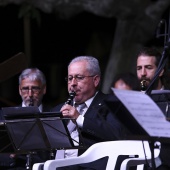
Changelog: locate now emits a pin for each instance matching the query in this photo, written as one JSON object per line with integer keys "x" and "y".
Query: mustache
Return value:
{"x": 145, "y": 79}
{"x": 30, "y": 102}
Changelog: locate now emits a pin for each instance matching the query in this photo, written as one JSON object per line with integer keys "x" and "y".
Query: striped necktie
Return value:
{"x": 71, "y": 127}
{"x": 80, "y": 108}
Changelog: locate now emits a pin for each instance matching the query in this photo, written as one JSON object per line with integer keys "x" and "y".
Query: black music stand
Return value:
{"x": 162, "y": 99}
{"x": 135, "y": 129}
{"x": 6, "y": 145}
{"x": 127, "y": 119}
{"x": 34, "y": 131}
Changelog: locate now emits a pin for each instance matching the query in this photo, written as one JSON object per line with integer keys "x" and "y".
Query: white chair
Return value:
{"x": 38, "y": 166}
{"x": 112, "y": 149}
{"x": 139, "y": 162}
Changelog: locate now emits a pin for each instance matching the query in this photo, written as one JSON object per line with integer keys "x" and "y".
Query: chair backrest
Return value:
{"x": 141, "y": 161}
{"x": 112, "y": 149}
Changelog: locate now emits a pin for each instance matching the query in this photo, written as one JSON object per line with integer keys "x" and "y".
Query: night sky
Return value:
{"x": 54, "y": 42}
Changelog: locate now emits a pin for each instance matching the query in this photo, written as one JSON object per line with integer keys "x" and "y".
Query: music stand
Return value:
{"x": 6, "y": 145}
{"x": 134, "y": 130}
{"x": 162, "y": 99}
{"x": 141, "y": 116}
{"x": 32, "y": 131}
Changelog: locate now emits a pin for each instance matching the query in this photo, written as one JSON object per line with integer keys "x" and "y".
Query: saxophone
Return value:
{"x": 143, "y": 85}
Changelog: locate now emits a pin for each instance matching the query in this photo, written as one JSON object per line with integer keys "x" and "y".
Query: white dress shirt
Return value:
{"x": 40, "y": 107}
{"x": 74, "y": 134}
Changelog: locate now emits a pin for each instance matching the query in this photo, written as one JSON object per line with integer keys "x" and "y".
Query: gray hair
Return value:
{"x": 33, "y": 74}
{"x": 93, "y": 64}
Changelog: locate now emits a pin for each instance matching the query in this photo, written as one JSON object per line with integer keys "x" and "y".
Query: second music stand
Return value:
{"x": 35, "y": 131}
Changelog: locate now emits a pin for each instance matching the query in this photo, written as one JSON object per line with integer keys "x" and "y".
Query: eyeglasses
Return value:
{"x": 77, "y": 77}
{"x": 34, "y": 89}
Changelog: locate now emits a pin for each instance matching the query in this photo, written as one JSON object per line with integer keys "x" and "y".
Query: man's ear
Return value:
{"x": 19, "y": 90}
{"x": 44, "y": 90}
{"x": 96, "y": 80}
{"x": 161, "y": 73}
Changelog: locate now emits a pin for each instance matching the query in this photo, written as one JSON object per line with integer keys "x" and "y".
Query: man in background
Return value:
{"x": 32, "y": 88}
{"x": 147, "y": 63}
{"x": 126, "y": 81}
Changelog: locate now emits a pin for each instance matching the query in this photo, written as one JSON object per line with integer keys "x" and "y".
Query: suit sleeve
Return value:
{"x": 103, "y": 126}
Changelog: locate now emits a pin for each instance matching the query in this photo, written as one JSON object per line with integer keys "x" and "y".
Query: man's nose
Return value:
{"x": 143, "y": 72}
{"x": 30, "y": 92}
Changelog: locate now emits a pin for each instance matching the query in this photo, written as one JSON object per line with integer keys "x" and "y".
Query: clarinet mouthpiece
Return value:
{"x": 71, "y": 97}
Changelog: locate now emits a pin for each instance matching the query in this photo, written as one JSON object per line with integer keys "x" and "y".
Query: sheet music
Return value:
{"x": 145, "y": 111}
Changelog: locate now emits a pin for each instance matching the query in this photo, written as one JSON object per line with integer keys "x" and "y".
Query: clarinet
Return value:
{"x": 69, "y": 101}
{"x": 28, "y": 156}
{"x": 31, "y": 102}
{"x": 71, "y": 97}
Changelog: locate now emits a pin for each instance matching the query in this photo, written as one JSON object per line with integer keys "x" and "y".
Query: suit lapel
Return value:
{"x": 96, "y": 104}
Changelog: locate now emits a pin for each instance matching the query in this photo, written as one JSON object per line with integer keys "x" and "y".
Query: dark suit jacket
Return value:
{"x": 99, "y": 123}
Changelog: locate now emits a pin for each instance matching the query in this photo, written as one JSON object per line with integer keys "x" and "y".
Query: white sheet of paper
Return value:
{"x": 145, "y": 111}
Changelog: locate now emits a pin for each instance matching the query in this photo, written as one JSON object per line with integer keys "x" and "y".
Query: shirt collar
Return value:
{"x": 40, "y": 107}
{"x": 162, "y": 88}
{"x": 89, "y": 101}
